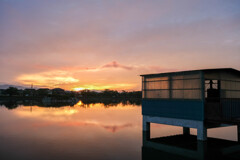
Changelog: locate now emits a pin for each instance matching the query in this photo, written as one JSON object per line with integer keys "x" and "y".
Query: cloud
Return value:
{"x": 98, "y": 77}
{"x": 115, "y": 64}
{"x": 110, "y": 65}
{"x": 48, "y": 78}
{"x": 110, "y": 128}
{"x": 40, "y": 38}
{"x": 115, "y": 128}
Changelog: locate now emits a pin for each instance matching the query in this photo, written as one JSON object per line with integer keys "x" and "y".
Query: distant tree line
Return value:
{"x": 31, "y": 92}
{"x": 12, "y": 104}
{"x": 61, "y": 93}
{"x": 110, "y": 93}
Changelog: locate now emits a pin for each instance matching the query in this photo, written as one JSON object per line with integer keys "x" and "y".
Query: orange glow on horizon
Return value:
{"x": 46, "y": 79}
{"x": 79, "y": 89}
{"x": 75, "y": 80}
{"x": 79, "y": 103}
{"x": 103, "y": 87}
{"x": 79, "y": 116}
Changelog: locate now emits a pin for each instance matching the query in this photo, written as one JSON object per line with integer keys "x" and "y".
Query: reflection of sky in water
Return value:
{"x": 95, "y": 132}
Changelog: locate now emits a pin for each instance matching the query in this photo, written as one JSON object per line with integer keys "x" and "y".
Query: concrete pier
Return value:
{"x": 186, "y": 124}
{"x": 146, "y": 124}
{"x": 186, "y": 131}
{"x": 238, "y": 132}
{"x": 202, "y": 132}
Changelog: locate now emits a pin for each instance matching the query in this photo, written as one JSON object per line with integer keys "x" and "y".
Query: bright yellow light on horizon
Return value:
{"x": 79, "y": 103}
{"x": 91, "y": 87}
{"x": 78, "y": 89}
{"x": 46, "y": 78}
{"x": 103, "y": 87}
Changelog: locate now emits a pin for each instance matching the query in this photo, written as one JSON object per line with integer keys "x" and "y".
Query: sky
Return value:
{"x": 107, "y": 44}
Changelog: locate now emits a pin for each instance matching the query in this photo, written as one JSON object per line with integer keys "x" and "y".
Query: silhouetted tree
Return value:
{"x": 42, "y": 92}
{"x": 11, "y": 91}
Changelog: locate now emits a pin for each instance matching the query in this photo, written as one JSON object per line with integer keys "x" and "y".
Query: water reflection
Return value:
{"x": 184, "y": 147}
{"x": 12, "y": 104}
{"x": 77, "y": 132}
{"x": 84, "y": 131}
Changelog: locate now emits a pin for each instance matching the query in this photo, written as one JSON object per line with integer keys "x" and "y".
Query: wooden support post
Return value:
{"x": 238, "y": 132}
{"x": 146, "y": 124}
{"x": 202, "y": 149}
{"x": 202, "y": 132}
{"x": 145, "y": 136}
{"x": 146, "y": 129}
{"x": 186, "y": 131}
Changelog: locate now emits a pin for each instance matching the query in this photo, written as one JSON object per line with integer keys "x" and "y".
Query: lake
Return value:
{"x": 81, "y": 131}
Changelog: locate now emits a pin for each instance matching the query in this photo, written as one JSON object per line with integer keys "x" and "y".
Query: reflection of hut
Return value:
{"x": 190, "y": 98}
{"x": 180, "y": 147}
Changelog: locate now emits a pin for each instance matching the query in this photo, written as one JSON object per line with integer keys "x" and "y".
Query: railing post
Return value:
{"x": 202, "y": 132}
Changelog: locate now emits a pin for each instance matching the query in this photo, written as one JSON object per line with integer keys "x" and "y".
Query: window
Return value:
{"x": 156, "y": 87}
{"x": 173, "y": 87}
{"x": 186, "y": 86}
{"x": 230, "y": 89}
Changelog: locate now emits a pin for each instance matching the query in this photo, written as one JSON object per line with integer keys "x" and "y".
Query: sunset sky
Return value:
{"x": 94, "y": 44}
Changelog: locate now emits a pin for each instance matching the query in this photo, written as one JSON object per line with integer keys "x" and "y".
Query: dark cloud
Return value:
{"x": 110, "y": 128}
{"x": 115, "y": 64}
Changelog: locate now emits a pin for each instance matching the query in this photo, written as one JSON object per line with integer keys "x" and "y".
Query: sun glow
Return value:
{"x": 78, "y": 89}
{"x": 79, "y": 103}
{"x": 69, "y": 81}
{"x": 90, "y": 87}
{"x": 103, "y": 87}
{"x": 47, "y": 78}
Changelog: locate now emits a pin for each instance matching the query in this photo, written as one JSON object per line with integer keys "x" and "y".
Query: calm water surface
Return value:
{"x": 81, "y": 131}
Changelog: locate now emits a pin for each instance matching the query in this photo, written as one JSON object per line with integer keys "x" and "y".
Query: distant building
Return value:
{"x": 21, "y": 92}
{"x": 1, "y": 92}
{"x": 29, "y": 92}
{"x": 58, "y": 91}
{"x": 43, "y": 92}
{"x": 192, "y": 98}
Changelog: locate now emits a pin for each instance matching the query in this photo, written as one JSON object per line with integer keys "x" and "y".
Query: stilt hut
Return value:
{"x": 192, "y": 99}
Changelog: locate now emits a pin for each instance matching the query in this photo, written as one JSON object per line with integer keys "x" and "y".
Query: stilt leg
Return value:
{"x": 146, "y": 129}
{"x": 202, "y": 149}
{"x": 146, "y": 125}
{"x": 202, "y": 132}
{"x": 186, "y": 131}
{"x": 238, "y": 132}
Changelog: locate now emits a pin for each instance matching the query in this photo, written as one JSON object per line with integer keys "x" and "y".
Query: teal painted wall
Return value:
{"x": 182, "y": 109}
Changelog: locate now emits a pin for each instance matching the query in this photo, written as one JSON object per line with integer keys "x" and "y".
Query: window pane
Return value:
{"x": 192, "y": 94}
{"x": 230, "y": 94}
{"x": 156, "y": 79}
{"x": 188, "y": 76}
{"x": 177, "y": 84}
{"x": 186, "y": 84}
{"x": 178, "y": 94}
{"x": 230, "y": 85}
{"x": 192, "y": 83}
{"x": 157, "y": 85}
{"x": 157, "y": 94}
{"x": 177, "y": 77}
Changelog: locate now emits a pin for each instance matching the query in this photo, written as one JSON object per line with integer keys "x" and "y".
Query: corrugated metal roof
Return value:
{"x": 232, "y": 70}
